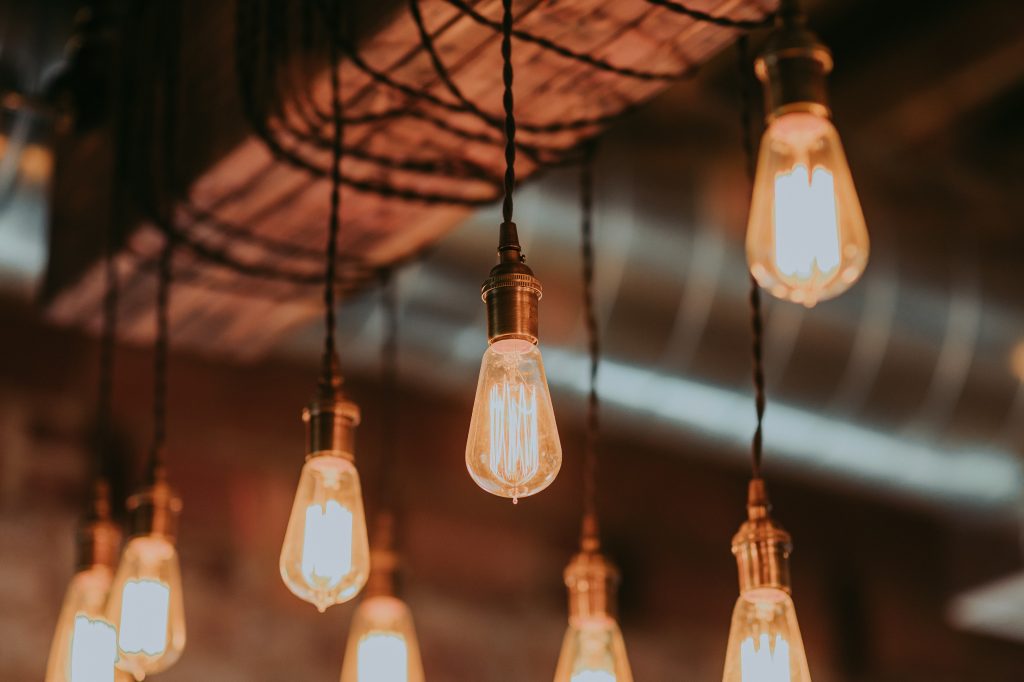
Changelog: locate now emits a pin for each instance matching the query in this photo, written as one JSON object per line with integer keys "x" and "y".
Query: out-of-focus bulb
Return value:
{"x": 764, "y": 639}
{"x": 764, "y": 642}
{"x": 382, "y": 644}
{"x": 325, "y": 558}
{"x": 806, "y": 239}
{"x": 513, "y": 448}
{"x": 593, "y": 649}
{"x": 85, "y": 644}
{"x": 146, "y": 601}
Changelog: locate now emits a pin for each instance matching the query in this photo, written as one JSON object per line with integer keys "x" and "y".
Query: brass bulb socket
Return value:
{"x": 794, "y": 70}
{"x": 592, "y": 581}
{"x": 761, "y": 546}
{"x": 383, "y": 571}
{"x": 512, "y": 293}
{"x": 331, "y": 422}
{"x": 154, "y": 510}
{"x": 99, "y": 544}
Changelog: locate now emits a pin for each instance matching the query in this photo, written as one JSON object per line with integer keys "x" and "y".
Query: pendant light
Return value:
{"x": 84, "y": 644}
{"x": 146, "y": 602}
{"x": 513, "y": 448}
{"x": 382, "y": 643}
{"x": 325, "y": 558}
{"x": 593, "y": 649}
{"x": 764, "y": 638}
{"x": 806, "y": 237}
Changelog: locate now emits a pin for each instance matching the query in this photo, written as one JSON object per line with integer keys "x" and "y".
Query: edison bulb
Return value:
{"x": 593, "y": 651}
{"x": 84, "y": 646}
{"x": 325, "y": 559}
{"x": 147, "y": 606}
{"x": 513, "y": 448}
{"x": 764, "y": 642}
{"x": 806, "y": 239}
{"x": 382, "y": 644}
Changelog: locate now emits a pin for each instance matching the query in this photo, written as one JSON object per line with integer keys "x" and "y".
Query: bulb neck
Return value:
{"x": 99, "y": 538}
{"x": 512, "y": 292}
{"x": 794, "y": 67}
{"x": 761, "y": 546}
{"x": 331, "y": 421}
{"x": 154, "y": 510}
{"x": 592, "y": 581}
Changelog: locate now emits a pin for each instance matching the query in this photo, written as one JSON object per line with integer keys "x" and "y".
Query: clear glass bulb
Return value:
{"x": 84, "y": 645}
{"x": 325, "y": 559}
{"x": 764, "y": 642}
{"x": 382, "y": 644}
{"x": 593, "y": 651}
{"x": 147, "y": 606}
{"x": 806, "y": 239}
{"x": 513, "y": 448}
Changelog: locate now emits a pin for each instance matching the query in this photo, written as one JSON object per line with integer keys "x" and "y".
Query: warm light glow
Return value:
{"x": 513, "y": 448}
{"x": 382, "y": 644}
{"x": 764, "y": 641}
{"x": 762, "y": 663}
{"x": 144, "y": 609}
{"x": 514, "y": 451}
{"x": 806, "y": 238}
{"x": 93, "y": 650}
{"x": 325, "y": 558}
{"x": 593, "y": 651}
{"x": 383, "y": 657}
{"x": 327, "y": 545}
{"x": 806, "y": 227}
{"x": 147, "y": 603}
{"x": 85, "y": 643}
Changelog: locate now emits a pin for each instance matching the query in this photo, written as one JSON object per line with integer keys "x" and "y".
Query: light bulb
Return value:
{"x": 146, "y": 601}
{"x": 593, "y": 649}
{"x": 513, "y": 448}
{"x": 764, "y": 642}
{"x": 85, "y": 644}
{"x": 382, "y": 644}
{"x": 325, "y": 558}
{"x": 764, "y": 639}
{"x": 806, "y": 239}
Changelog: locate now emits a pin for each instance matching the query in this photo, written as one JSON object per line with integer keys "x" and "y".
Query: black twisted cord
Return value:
{"x": 593, "y": 341}
{"x": 508, "y": 103}
{"x": 707, "y": 18}
{"x": 160, "y": 351}
{"x": 329, "y": 376}
{"x": 561, "y": 50}
{"x": 756, "y": 321}
{"x": 108, "y": 339}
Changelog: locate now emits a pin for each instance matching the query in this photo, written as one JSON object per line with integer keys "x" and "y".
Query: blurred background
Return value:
{"x": 895, "y": 417}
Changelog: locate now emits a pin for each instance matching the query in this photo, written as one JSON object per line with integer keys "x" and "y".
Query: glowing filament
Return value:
{"x": 760, "y": 663}
{"x": 383, "y": 657}
{"x": 144, "y": 609}
{"x": 327, "y": 544}
{"x": 93, "y": 650}
{"x": 806, "y": 224}
{"x": 515, "y": 448}
{"x": 593, "y": 676}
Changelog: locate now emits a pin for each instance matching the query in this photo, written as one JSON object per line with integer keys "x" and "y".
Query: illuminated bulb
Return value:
{"x": 806, "y": 237}
{"x": 382, "y": 645}
{"x": 806, "y": 240}
{"x": 513, "y": 449}
{"x": 593, "y": 649}
{"x": 325, "y": 558}
{"x": 764, "y": 640}
{"x": 84, "y": 645}
{"x": 146, "y": 602}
